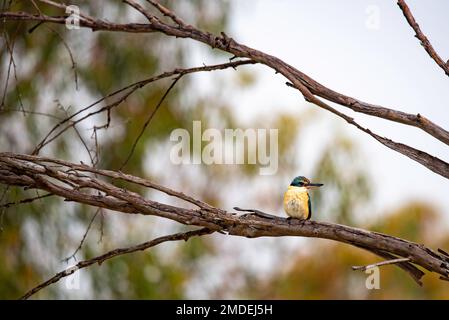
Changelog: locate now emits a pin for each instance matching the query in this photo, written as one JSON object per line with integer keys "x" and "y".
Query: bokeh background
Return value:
{"x": 364, "y": 49}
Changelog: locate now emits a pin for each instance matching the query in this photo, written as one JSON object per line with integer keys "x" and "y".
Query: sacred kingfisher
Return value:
{"x": 297, "y": 199}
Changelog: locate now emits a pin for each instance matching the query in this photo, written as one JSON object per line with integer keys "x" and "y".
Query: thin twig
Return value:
{"x": 151, "y": 18}
{"x": 12, "y": 63}
{"x": 80, "y": 245}
{"x": 35, "y": 113}
{"x": 78, "y": 133}
{"x": 26, "y": 200}
{"x": 115, "y": 175}
{"x": 72, "y": 59}
{"x": 422, "y": 37}
{"x": 36, "y": 7}
{"x": 147, "y": 122}
{"x": 415, "y": 273}
{"x": 132, "y": 88}
{"x": 379, "y": 264}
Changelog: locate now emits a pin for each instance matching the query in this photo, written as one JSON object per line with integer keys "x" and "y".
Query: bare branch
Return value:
{"x": 422, "y": 37}
{"x": 230, "y": 45}
{"x": 114, "y": 253}
{"x": 71, "y": 182}
{"x": 94, "y": 25}
{"x": 433, "y": 163}
{"x": 72, "y": 59}
{"x": 78, "y": 133}
{"x": 166, "y": 12}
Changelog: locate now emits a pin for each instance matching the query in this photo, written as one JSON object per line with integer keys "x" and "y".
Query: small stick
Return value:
{"x": 379, "y": 264}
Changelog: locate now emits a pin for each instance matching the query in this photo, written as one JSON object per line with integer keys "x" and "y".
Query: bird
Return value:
{"x": 297, "y": 199}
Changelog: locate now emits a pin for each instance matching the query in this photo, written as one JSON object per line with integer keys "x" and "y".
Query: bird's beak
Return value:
{"x": 313, "y": 185}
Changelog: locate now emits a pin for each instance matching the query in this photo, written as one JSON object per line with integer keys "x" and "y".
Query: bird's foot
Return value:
{"x": 295, "y": 220}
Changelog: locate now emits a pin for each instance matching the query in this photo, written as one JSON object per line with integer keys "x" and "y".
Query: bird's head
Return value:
{"x": 301, "y": 181}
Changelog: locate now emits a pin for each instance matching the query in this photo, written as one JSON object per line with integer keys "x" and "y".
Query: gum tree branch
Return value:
{"x": 309, "y": 88}
{"x": 115, "y": 253}
{"x": 82, "y": 184}
{"x": 422, "y": 37}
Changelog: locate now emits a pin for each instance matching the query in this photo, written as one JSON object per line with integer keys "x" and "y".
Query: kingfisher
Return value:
{"x": 297, "y": 199}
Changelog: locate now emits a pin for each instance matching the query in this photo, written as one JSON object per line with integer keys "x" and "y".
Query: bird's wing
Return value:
{"x": 310, "y": 207}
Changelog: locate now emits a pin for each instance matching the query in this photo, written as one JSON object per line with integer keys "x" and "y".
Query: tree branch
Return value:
{"x": 422, "y": 37}
{"x": 26, "y": 200}
{"x": 379, "y": 264}
{"x": 114, "y": 253}
{"x": 80, "y": 183}
{"x": 305, "y": 84}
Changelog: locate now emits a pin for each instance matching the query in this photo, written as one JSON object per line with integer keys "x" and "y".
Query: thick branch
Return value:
{"x": 379, "y": 264}
{"x": 78, "y": 183}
